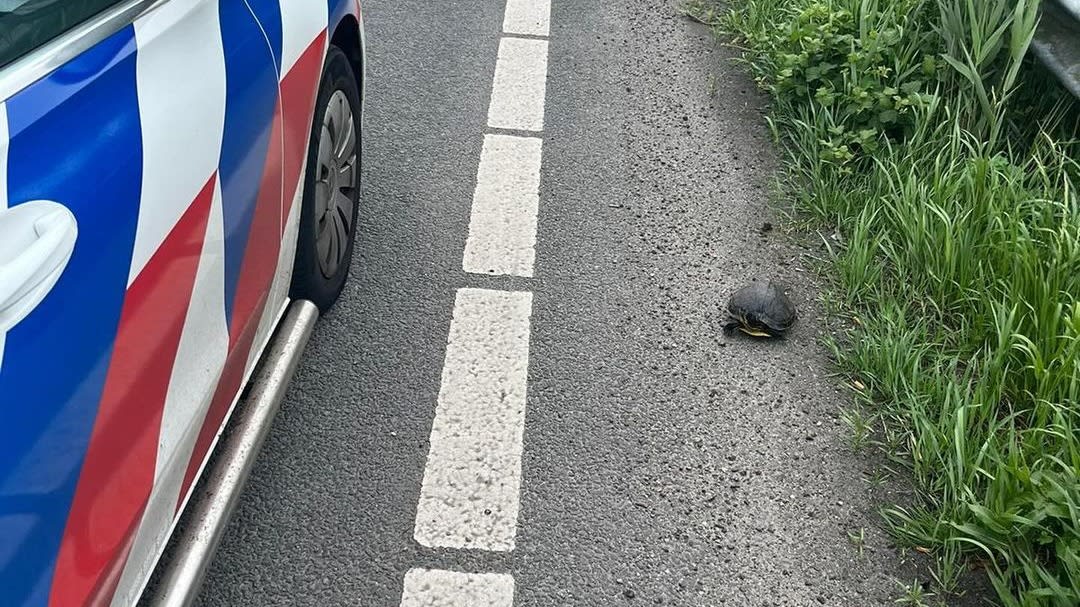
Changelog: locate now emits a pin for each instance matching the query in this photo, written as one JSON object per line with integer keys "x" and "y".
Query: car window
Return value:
{"x": 27, "y": 24}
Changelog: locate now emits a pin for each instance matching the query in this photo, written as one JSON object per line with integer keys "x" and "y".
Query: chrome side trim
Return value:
{"x": 41, "y": 61}
{"x": 216, "y": 496}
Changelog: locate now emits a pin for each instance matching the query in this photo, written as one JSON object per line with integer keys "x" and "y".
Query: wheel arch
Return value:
{"x": 348, "y": 35}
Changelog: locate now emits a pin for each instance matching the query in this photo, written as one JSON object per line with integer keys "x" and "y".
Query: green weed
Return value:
{"x": 878, "y": 478}
{"x": 858, "y": 540}
{"x": 914, "y": 595}
{"x": 859, "y": 425}
{"x": 943, "y": 176}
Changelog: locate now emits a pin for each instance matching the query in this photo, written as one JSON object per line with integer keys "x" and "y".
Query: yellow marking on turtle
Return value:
{"x": 754, "y": 332}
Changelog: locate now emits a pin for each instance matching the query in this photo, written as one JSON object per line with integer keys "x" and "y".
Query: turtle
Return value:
{"x": 760, "y": 309}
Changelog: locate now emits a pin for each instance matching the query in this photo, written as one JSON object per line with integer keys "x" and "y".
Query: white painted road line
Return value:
{"x": 502, "y": 228}
{"x": 437, "y": 588}
{"x": 470, "y": 493}
{"x": 517, "y": 96}
{"x": 529, "y": 17}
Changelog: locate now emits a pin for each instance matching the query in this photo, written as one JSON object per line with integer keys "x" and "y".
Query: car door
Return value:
{"x": 73, "y": 138}
{"x": 147, "y": 141}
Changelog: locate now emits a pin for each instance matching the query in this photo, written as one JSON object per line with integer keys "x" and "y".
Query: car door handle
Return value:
{"x": 36, "y": 242}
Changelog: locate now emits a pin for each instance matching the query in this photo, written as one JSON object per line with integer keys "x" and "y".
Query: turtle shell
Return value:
{"x": 762, "y": 306}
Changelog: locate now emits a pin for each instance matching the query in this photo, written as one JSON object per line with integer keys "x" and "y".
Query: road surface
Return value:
{"x": 621, "y": 448}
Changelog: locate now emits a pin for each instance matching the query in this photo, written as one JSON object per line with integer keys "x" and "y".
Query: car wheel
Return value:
{"x": 324, "y": 245}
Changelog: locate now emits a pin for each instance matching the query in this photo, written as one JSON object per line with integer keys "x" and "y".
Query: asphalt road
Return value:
{"x": 663, "y": 462}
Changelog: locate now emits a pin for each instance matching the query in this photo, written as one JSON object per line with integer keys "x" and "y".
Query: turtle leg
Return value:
{"x": 729, "y": 325}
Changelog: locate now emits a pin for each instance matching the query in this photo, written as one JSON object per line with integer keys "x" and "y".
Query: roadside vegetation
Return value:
{"x": 945, "y": 163}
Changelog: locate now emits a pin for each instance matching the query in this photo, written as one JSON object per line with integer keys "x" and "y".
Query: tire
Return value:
{"x": 328, "y": 213}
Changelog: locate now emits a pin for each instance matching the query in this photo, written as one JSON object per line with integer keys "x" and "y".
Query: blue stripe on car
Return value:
{"x": 269, "y": 14}
{"x": 75, "y": 138}
{"x": 336, "y": 11}
{"x": 250, "y": 98}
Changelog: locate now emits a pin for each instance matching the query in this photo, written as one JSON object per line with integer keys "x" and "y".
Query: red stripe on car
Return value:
{"x": 298, "y": 91}
{"x": 256, "y": 276}
{"x": 118, "y": 468}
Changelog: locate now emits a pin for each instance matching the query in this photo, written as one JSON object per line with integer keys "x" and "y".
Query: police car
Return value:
{"x": 179, "y": 184}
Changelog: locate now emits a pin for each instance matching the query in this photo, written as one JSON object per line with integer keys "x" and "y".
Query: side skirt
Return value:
{"x": 217, "y": 493}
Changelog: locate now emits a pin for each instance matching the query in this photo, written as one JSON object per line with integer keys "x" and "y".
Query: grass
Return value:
{"x": 914, "y": 595}
{"x": 858, "y": 540}
{"x": 878, "y": 478}
{"x": 861, "y": 427}
{"x": 918, "y": 132}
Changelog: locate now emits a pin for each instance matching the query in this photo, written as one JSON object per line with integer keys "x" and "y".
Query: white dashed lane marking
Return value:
{"x": 502, "y": 229}
{"x": 437, "y": 588}
{"x": 517, "y": 96}
{"x": 469, "y": 496}
{"x": 528, "y": 17}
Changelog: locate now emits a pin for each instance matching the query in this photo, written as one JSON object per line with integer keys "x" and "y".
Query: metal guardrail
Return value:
{"x": 1057, "y": 41}
{"x": 1073, "y": 6}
